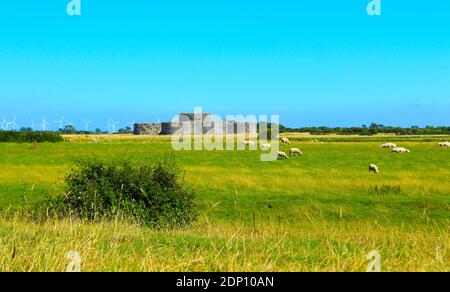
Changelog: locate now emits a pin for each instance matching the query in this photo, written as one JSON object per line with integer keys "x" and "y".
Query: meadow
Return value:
{"x": 320, "y": 212}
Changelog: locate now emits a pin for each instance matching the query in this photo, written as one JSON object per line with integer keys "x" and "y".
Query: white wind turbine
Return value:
{"x": 44, "y": 125}
{"x": 108, "y": 126}
{"x": 86, "y": 122}
{"x": 60, "y": 122}
{"x": 4, "y": 126}
{"x": 33, "y": 125}
{"x": 112, "y": 126}
{"x": 13, "y": 124}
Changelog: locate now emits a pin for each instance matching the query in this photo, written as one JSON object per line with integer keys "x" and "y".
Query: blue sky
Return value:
{"x": 315, "y": 62}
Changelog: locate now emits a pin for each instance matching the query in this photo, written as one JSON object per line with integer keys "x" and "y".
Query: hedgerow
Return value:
{"x": 29, "y": 137}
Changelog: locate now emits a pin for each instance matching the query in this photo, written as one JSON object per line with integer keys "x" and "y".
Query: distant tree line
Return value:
{"x": 364, "y": 130}
{"x": 29, "y": 137}
{"x": 69, "y": 129}
{"x": 373, "y": 129}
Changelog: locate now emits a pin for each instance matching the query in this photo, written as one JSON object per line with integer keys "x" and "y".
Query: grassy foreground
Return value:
{"x": 318, "y": 246}
{"x": 319, "y": 212}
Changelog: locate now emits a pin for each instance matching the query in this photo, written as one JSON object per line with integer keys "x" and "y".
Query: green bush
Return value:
{"x": 29, "y": 137}
{"x": 155, "y": 195}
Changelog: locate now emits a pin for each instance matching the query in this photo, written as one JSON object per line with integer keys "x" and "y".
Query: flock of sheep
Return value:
{"x": 297, "y": 152}
{"x": 374, "y": 169}
{"x": 281, "y": 154}
{"x": 395, "y": 149}
{"x": 292, "y": 151}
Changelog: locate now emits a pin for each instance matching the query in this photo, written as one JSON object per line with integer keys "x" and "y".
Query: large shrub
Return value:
{"x": 154, "y": 194}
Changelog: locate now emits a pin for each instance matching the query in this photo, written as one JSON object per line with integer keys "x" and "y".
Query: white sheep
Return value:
{"x": 266, "y": 146}
{"x": 400, "y": 150}
{"x": 282, "y": 155}
{"x": 444, "y": 144}
{"x": 285, "y": 141}
{"x": 373, "y": 168}
{"x": 295, "y": 152}
{"x": 388, "y": 145}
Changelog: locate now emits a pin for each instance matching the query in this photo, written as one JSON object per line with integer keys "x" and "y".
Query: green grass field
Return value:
{"x": 320, "y": 212}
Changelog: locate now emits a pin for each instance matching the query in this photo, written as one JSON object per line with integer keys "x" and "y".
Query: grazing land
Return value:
{"x": 322, "y": 211}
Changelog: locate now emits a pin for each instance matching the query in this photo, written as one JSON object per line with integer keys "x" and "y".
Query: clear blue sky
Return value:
{"x": 315, "y": 62}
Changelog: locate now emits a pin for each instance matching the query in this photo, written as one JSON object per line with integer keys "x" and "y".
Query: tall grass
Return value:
{"x": 229, "y": 246}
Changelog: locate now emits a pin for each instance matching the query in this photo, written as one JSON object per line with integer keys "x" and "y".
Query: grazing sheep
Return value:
{"x": 373, "y": 168}
{"x": 295, "y": 152}
{"x": 282, "y": 155}
{"x": 400, "y": 150}
{"x": 388, "y": 145}
{"x": 444, "y": 144}
{"x": 265, "y": 146}
{"x": 285, "y": 141}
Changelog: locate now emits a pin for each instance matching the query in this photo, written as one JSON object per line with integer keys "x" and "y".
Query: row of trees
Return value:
{"x": 364, "y": 130}
{"x": 69, "y": 129}
{"x": 29, "y": 137}
{"x": 373, "y": 129}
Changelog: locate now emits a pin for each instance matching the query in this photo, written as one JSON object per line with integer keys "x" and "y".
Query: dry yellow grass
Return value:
{"x": 316, "y": 246}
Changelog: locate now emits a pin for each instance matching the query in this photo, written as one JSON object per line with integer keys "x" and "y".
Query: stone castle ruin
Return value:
{"x": 194, "y": 123}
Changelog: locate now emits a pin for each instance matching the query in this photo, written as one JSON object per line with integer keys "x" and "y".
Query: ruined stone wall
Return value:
{"x": 147, "y": 129}
{"x": 186, "y": 117}
{"x": 184, "y": 128}
{"x": 186, "y": 124}
{"x": 170, "y": 128}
